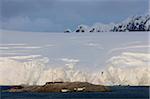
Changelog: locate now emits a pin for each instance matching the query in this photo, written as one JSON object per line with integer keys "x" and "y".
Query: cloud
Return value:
{"x": 28, "y": 24}
{"x": 95, "y": 0}
{"x": 13, "y": 8}
{"x": 57, "y": 15}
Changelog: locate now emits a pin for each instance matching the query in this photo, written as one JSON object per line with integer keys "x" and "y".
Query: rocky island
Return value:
{"x": 61, "y": 87}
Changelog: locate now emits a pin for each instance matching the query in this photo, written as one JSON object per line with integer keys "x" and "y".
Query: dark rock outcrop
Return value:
{"x": 62, "y": 87}
{"x": 131, "y": 24}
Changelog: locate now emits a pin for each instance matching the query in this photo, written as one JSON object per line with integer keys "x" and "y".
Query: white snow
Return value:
{"x": 105, "y": 58}
{"x": 126, "y": 69}
{"x": 135, "y": 23}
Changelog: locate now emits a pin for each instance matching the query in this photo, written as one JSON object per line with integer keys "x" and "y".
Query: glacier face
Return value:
{"x": 129, "y": 69}
{"x": 125, "y": 69}
{"x": 105, "y": 58}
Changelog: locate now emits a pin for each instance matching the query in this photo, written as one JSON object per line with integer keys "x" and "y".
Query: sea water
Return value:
{"x": 118, "y": 92}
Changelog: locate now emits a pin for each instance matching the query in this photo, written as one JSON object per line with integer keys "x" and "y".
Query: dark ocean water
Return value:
{"x": 118, "y": 92}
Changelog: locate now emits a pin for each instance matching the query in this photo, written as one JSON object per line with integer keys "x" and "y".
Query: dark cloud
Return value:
{"x": 11, "y": 8}
{"x": 56, "y": 15}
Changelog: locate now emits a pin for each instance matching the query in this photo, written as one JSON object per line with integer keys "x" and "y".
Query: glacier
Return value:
{"x": 125, "y": 69}
{"x": 108, "y": 58}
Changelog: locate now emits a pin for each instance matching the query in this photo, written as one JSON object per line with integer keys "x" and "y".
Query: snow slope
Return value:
{"x": 136, "y": 23}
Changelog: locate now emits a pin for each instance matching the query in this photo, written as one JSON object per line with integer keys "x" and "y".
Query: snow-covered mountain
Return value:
{"x": 136, "y": 23}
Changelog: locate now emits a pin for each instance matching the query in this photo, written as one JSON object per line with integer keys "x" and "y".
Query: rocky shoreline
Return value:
{"x": 61, "y": 87}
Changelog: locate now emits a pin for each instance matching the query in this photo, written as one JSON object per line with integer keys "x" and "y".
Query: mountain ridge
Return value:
{"x": 135, "y": 23}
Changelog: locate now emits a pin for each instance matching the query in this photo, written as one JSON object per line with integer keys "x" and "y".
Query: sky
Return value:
{"x": 58, "y": 15}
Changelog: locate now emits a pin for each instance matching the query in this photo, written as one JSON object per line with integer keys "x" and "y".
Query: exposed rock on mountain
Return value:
{"x": 136, "y": 23}
{"x": 67, "y": 31}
